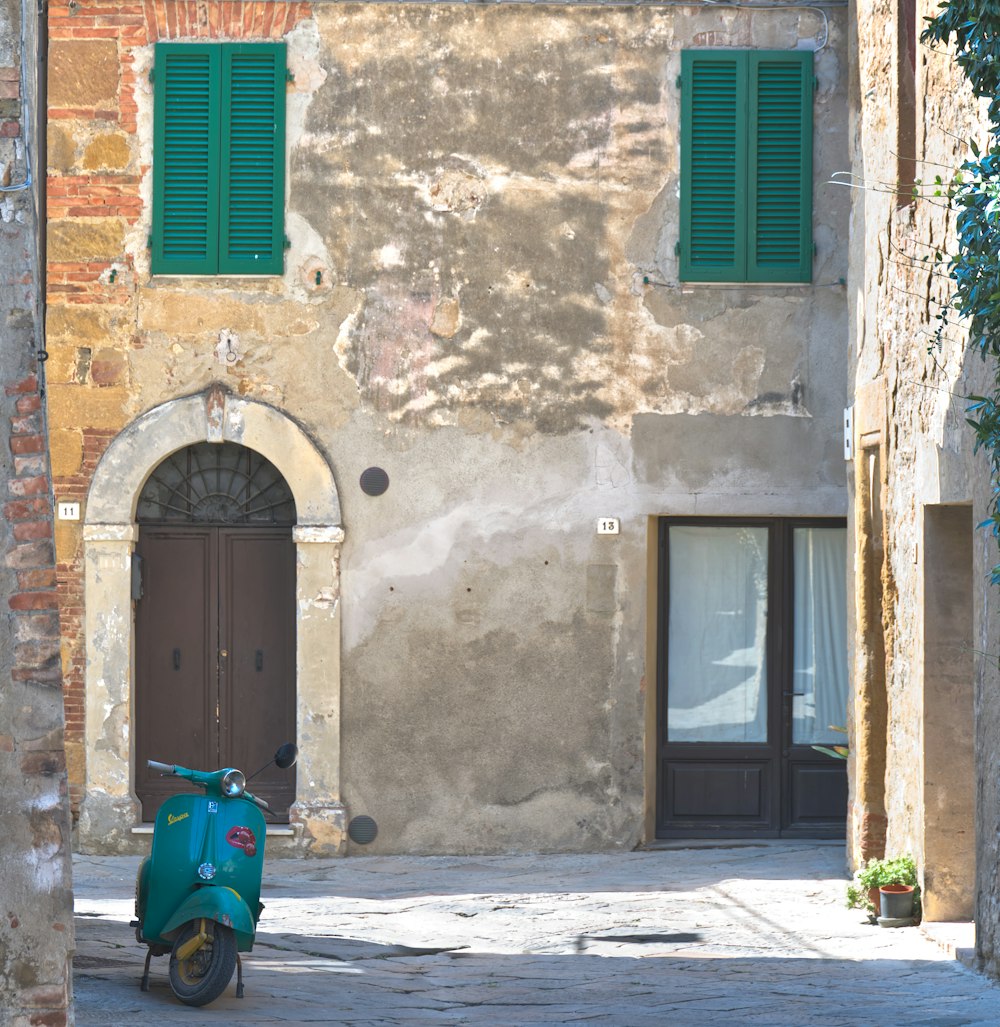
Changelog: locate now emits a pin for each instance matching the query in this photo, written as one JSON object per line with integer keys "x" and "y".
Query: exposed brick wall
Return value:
{"x": 28, "y": 510}
{"x": 36, "y": 908}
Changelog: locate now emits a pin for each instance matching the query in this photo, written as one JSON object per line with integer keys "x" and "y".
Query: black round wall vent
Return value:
{"x": 362, "y": 830}
{"x": 374, "y": 481}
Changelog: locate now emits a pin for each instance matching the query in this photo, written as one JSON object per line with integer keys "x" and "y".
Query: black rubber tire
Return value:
{"x": 204, "y": 976}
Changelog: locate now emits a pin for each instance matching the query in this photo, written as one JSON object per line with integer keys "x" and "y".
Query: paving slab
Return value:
{"x": 740, "y": 933}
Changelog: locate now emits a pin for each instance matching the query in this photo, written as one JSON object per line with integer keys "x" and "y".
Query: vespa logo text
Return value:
{"x": 171, "y": 819}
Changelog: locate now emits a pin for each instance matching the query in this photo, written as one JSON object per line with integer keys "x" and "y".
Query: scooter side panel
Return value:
{"x": 194, "y": 829}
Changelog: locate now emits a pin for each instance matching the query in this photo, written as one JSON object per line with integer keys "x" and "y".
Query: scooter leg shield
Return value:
{"x": 221, "y": 904}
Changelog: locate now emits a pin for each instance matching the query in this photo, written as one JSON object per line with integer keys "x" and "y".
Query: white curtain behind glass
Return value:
{"x": 716, "y": 663}
{"x": 820, "y": 616}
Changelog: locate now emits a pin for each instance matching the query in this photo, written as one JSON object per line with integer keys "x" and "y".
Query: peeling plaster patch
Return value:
{"x": 113, "y": 730}
{"x": 46, "y": 868}
{"x": 389, "y": 256}
{"x": 447, "y": 318}
{"x": 455, "y": 191}
{"x": 611, "y": 466}
{"x": 775, "y": 404}
{"x": 326, "y": 600}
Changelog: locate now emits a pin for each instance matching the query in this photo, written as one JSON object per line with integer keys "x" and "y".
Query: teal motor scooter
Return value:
{"x": 197, "y": 896}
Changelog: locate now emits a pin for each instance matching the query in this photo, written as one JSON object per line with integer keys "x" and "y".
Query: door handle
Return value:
{"x": 177, "y": 659}
{"x": 794, "y": 693}
{"x": 259, "y": 659}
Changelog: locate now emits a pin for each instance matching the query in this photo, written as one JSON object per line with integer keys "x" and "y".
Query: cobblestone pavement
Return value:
{"x": 751, "y": 933}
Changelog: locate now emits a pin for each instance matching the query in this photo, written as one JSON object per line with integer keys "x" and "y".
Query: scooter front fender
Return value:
{"x": 218, "y": 903}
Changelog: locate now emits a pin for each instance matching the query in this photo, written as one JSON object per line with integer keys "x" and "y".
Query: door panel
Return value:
{"x": 752, "y": 673}
{"x": 258, "y": 674}
{"x": 711, "y": 792}
{"x": 215, "y": 656}
{"x": 175, "y": 629}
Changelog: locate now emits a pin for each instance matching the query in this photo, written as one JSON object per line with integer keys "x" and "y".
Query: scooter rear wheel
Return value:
{"x": 205, "y": 974}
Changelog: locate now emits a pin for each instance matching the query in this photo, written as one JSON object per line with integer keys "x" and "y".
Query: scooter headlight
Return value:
{"x": 233, "y": 783}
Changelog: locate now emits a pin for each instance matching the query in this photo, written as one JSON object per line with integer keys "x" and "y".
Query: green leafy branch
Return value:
{"x": 973, "y": 26}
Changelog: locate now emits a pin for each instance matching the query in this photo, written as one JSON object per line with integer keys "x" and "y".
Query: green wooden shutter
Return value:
{"x": 185, "y": 158}
{"x": 780, "y": 167}
{"x": 713, "y": 165}
{"x": 251, "y": 219}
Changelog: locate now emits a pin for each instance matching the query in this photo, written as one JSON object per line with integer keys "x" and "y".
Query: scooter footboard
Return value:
{"x": 218, "y": 903}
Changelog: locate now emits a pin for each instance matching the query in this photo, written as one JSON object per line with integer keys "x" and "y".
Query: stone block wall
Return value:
{"x": 917, "y": 488}
{"x": 480, "y": 296}
{"x": 94, "y": 202}
{"x": 36, "y": 908}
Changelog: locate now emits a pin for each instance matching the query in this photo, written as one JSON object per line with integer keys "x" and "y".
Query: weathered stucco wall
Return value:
{"x": 480, "y": 297}
{"x": 915, "y": 778}
{"x": 36, "y": 903}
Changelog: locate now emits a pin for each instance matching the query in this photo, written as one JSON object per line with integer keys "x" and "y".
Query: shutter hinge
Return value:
{"x": 151, "y": 71}
{"x": 816, "y": 83}
{"x": 677, "y": 248}
{"x": 149, "y": 242}
{"x": 288, "y": 243}
{"x": 289, "y": 75}
{"x": 815, "y": 250}
{"x": 680, "y": 81}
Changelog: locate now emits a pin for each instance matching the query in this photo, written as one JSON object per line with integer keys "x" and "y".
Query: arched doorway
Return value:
{"x": 214, "y": 585}
{"x": 111, "y": 815}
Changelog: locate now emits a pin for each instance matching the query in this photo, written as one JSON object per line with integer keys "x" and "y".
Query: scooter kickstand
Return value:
{"x": 144, "y": 984}
{"x": 239, "y": 976}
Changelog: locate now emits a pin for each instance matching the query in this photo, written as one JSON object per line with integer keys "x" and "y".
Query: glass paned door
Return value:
{"x": 752, "y": 674}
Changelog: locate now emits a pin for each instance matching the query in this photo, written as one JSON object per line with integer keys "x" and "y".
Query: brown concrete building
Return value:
{"x": 36, "y": 907}
{"x": 459, "y": 390}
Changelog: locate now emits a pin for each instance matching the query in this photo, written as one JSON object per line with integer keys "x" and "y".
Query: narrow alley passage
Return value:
{"x": 752, "y": 933}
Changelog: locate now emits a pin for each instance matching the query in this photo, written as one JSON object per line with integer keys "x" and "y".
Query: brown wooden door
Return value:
{"x": 215, "y": 655}
{"x": 752, "y": 672}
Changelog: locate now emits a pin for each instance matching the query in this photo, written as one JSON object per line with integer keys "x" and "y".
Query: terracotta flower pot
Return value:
{"x": 896, "y": 901}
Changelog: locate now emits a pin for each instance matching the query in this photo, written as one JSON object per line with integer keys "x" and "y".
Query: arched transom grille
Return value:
{"x": 216, "y": 483}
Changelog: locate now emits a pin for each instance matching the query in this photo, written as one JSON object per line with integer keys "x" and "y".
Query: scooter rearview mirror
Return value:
{"x": 286, "y": 755}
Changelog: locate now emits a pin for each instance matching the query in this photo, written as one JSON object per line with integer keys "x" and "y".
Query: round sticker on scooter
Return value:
{"x": 242, "y": 838}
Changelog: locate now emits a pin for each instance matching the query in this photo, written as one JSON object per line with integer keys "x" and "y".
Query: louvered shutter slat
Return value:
{"x": 252, "y": 200}
{"x": 185, "y": 159}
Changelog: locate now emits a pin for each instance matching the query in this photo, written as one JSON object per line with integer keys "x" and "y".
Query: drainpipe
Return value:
{"x": 41, "y": 179}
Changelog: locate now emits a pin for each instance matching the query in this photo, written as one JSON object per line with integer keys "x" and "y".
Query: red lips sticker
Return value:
{"x": 242, "y": 838}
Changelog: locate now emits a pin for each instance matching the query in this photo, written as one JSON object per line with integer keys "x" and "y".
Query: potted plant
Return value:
{"x": 863, "y": 892}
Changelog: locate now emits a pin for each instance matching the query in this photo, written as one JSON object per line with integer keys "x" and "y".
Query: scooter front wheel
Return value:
{"x": 203, "y": 975}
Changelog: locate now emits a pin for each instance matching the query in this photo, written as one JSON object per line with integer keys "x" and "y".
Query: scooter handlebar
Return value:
{"x": 163, "y": 768}
{"x": 257, "y": 802}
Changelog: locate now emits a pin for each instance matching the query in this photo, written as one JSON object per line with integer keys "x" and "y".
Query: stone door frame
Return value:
{"x": 110, "y": 811}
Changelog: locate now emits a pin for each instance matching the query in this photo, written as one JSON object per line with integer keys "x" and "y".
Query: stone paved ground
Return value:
{"x": 746, "y": 934}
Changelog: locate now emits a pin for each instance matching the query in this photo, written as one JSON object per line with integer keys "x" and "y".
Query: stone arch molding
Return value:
{"x": 215, "y": 416}
{"x": 109, "y": 819}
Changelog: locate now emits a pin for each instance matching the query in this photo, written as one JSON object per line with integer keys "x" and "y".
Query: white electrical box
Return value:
{"x": 68, "y": 511}
{"x": 849, "y": 433}
{"x": 607, "y": 526}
